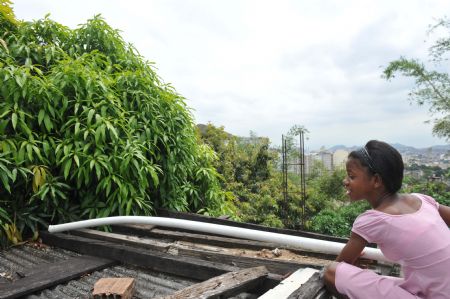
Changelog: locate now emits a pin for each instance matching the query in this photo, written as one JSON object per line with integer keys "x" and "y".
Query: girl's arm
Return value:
{"x": 352, "y": 250}
{"x": 444, "y": 211}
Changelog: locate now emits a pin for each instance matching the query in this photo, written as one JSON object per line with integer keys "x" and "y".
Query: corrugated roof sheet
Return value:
{"x": 19, "y": 260}
{"x": 148, "y": 284}
{"x": 16, "y": 261}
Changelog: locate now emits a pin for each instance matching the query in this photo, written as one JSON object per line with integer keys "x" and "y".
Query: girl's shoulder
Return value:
{"x": 407, "y": 204}
{"x": 375, "y": 217}
{"x": 427, "y": 199}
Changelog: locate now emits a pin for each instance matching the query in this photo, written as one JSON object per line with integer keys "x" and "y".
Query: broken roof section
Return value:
{"x": 162, "y": 262}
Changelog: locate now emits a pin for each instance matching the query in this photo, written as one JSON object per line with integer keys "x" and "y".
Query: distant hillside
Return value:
{"x": 404, "y": 149}
{"x": 342, "y": 147}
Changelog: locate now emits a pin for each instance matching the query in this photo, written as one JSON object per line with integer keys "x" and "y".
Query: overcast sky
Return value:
{"x": 264, "y": 66}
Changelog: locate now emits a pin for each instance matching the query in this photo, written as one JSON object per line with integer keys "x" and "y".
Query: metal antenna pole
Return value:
{"x": 302, "y": 177}
{"x": 284, "y": 176}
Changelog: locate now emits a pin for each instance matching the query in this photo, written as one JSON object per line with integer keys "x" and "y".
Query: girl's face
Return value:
{"x": 358, "y": 183}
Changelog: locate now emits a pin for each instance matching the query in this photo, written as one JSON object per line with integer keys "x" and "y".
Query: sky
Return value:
{"x": 265, "y": 66}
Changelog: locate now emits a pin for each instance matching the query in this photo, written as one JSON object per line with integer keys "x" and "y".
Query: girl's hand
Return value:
{"x": 444, "y": 211}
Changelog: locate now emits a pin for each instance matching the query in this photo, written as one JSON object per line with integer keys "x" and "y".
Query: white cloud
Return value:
{"x": 267, "y": 65}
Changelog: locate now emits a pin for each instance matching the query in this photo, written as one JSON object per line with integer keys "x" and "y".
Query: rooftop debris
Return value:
{"x": 117, "y": 288}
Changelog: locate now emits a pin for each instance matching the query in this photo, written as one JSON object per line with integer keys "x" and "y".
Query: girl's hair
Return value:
{"x": 382, "y": 159}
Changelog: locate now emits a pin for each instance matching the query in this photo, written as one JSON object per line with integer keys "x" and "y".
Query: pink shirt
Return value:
{"x": 419, "y": 242}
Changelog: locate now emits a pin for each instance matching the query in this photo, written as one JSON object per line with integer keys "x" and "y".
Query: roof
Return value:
{"x": 162, "y": 261}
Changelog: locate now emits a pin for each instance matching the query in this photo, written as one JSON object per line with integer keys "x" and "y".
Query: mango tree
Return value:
{"x": 88, "y": 129}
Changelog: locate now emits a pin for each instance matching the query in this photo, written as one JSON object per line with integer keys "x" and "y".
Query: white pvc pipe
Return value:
{"x": 307, "y": 244}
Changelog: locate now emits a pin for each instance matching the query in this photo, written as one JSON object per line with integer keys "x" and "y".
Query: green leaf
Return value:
{"x": 14, "y": 120}
{"x": 67, "y": 166}
{"x": 112, "y": 130}
{"x": 154, "y": 176}
{"x": 38, "y": 152}
{"x": 25, "y": 128}
{"x": 5, "y": 170}
{"x": 5, "y": 181}
{"x": 21, "y": 79}
{"x": 29, "y": 152}
{"x": 91, "y": 164}
{"x": 77, "y": 160}
{"x": 41, "y": 116}
{"x": 100, "y": 134}
{"x": 21, "y": 155}
{"x": 98, "y": 171}
{"x": 77, "y": 128}
{"x": 46, "y": 147}
{"x": 90, "y": 115}
{"x": 14, "y": 174}
{"x": 128, "y": 208}
{"x": 51, "y": 110}
{"x": 48, "y": 123}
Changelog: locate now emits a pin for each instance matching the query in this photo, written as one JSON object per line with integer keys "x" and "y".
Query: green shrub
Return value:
{"x": 88, "y": 129}
{"x": 338, "y": 222}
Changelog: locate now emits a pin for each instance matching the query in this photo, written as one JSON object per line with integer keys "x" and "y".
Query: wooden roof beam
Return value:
{"x": 223, "y": 286}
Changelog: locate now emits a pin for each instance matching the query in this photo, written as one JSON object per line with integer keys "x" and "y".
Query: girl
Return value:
{"x": 410, "y": 229}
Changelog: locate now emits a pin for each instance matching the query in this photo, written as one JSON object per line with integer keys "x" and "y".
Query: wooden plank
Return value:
{"x": 47, "y": 275}
{"x": 158, "y": 261}
{"x": 277, "y": 266}
{"x": 223, "y": 241}
{"x": 223, "y": 286}
{"x": 202, "y": 218}
{"x": 202, "y": 238}
{"x": 313, "y": 288}
{"x": 290, "y": 284}
{"x": 123, "y": 239}
{"x": 273, "y": 265}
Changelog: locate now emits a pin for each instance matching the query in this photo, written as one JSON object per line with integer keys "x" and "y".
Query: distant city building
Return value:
{"x": 340, "y": 158}
{"x": 329, "y": 160}
{"x": 325, "y": 157}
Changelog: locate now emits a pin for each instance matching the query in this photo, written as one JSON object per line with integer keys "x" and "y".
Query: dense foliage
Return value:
{"x": 251, "y": 173}
{"x": 88, "y": 129}
{"x": 325, "y": 189}
{"x": 432, "y": 86}
{"x": 248, "y": 176}
{"x": 438, "y": 190}
{"x": 338, "y": 221}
